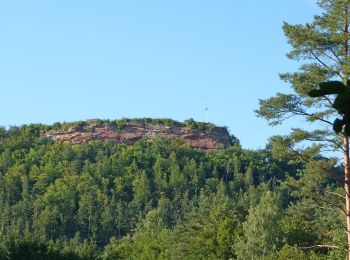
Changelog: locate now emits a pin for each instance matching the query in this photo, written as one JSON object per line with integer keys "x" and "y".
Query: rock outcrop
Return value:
{"x": 208, "y": 139}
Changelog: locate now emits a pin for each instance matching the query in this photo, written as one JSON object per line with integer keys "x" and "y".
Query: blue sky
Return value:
{"x": 75, "y": 60}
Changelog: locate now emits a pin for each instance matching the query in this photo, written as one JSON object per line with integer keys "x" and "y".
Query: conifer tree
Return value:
{"x": 323, "y": 45}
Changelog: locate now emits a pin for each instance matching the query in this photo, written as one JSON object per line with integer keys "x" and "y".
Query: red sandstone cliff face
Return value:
{"x": 133, "y": 131}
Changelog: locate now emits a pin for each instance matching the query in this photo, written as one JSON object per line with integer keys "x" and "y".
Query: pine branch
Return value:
{"x": 334, "y": 205}
{"x": 343, "y": 226}
{"x": 328, "y": 100}
{"x": 320, "y": 61}
{"x": 330, "y": 57}
{"x": 324, "y": 246}
{"x": 298, "y": 154}
{"x": 323, "y": 207}
{"x": 303, "y": 113}
{"x": 327, "y": 140}
{"x": 335, "y": 193}
{"x": 336, "y": 56}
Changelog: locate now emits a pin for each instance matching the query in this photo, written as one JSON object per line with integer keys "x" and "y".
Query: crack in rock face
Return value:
{"x": 210, "y": 139}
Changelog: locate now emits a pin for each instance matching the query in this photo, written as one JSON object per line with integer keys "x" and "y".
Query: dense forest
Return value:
{"x": 163, "y": 200}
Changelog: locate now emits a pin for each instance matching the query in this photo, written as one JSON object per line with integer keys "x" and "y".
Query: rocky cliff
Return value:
{"x": 209, "y": 138}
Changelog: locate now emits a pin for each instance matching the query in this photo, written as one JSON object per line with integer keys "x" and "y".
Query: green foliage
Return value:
{"x": 159, "y": 200}
{"x": 288, "y": 252}
{"x": 32, "y": 248}
{"x": 321, "y": 45}
{"x": 190, "y": 123}
{"x": 261, "y": 231}
{"x": 120, "y": 124}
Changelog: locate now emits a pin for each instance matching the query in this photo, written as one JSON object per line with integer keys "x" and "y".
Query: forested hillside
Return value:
{"x": 163, "y": 200}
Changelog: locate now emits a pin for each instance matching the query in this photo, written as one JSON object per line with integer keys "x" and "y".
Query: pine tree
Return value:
{"x": 323, "y": 45}
{"x": 141, "y": 188}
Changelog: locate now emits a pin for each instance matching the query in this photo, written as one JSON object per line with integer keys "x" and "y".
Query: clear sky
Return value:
{"x": 64, "y": 60}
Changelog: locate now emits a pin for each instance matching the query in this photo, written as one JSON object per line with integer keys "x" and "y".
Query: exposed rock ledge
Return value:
{"x": 210, "y": 139}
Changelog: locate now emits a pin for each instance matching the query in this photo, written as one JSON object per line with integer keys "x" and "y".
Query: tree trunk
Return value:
{"x": 347, "y": 188}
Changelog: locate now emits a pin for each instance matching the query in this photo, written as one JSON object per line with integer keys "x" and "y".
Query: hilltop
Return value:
{"x": 204, "y": 136}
